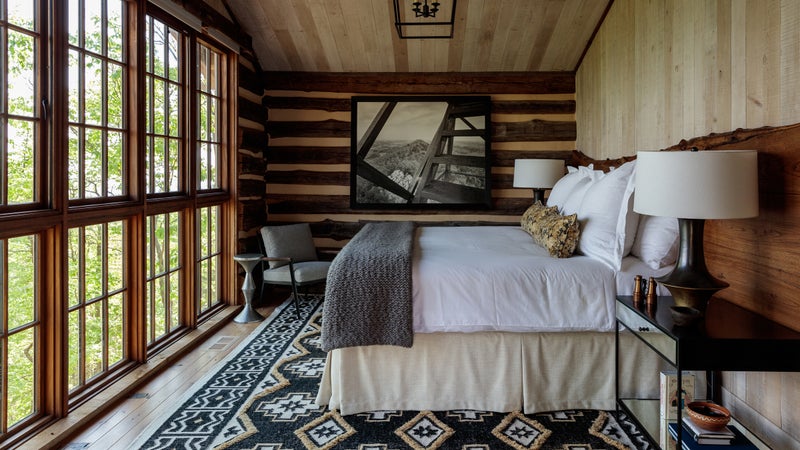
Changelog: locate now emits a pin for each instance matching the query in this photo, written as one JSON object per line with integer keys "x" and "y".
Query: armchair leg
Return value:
{"x": 295, "y": 299}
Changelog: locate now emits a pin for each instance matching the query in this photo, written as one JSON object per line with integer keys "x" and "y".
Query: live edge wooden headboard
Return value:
{"x": 759, "y": 257}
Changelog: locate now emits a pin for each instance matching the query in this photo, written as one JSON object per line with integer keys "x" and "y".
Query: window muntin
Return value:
{"x": 20, "y": 329}
{"x": 96, "y": 301}
{"x": 97, "y": 84}
{"x": 20, "y": 98}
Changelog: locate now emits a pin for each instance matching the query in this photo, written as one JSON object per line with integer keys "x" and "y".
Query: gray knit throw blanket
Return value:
{"x": 368, "y": 292}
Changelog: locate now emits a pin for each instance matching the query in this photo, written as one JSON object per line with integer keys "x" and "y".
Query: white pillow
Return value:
{"x": 656, "y": 242}
{"x": 608, "y": 223}
{"x": 568, "y": 191}
{"x": 562, "y": 188}
{"x": 573, "y": 203}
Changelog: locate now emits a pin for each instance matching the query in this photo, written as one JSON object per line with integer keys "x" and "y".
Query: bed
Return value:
{"x": 501, "y": 325}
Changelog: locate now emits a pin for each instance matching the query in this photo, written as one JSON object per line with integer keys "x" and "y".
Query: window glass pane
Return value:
{"x": 93, "y": 262}
{"x": 74, "y": 23}
{"x": 93, "y": 98}
{"x": 21, "y": 374}
{"x": 93, "y": 164}
{"x": 175, "y": 53}
{"x": 93, "y": 26}
{"x": 116, "y": 340}
{"x": 22, "y": 13}
{"x": 115, "y": 164}
{"x": 20, "y": 161}
{"x": 21, "y": 70}
{"x": 74, "y": 86}
{"x": 116, "y": 257}
{"x": 76, "y": 353}
{"x": 21, "y": 276}
{"x": 115, "y": 94}
{"x": 75, "y": 162}
{"x": 114, "y": 30}
{"x": 94, "y": 348}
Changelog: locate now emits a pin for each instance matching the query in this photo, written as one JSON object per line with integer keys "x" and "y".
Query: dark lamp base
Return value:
{"x": 690, "y": 283}
{"x": 690, "y": 297}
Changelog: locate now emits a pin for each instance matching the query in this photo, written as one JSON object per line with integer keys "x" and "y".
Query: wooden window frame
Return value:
{"x": 54, "y": 213}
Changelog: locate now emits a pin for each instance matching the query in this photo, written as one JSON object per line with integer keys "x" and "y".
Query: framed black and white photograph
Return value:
{"x": 420, "y": 152}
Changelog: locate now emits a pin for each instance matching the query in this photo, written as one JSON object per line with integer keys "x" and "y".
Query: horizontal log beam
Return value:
{"x": 341, "y": 231}
{"x": 252, "y": 111}
{"x": 533, "y": 130}
{"x": 338, "y": 204}
{"x": 308, "y": 155}
{"x": 323, "y": 128}
{"x": 250, "y": 139}
{"x": 414, "y": 83}
{"x": 534, "y": 107}
{"x": 505, "y": 158}
{"x": 308, "y": 177}
{"x": 324, "y": 104}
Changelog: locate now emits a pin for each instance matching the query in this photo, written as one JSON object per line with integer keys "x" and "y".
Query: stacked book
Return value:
{"x": 696, "y": 438}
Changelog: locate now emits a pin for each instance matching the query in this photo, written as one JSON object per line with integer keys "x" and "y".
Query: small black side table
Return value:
{"x": 728, "y": 338}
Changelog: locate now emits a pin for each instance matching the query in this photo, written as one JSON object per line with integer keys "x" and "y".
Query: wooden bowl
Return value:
{"x": 710, "y": 416}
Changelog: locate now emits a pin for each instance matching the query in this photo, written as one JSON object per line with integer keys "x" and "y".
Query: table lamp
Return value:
{"x": 693, "y": 186}
{"x": 538, "y": 174}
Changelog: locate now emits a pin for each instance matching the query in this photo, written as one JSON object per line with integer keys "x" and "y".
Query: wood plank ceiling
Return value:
{"x": 359, "y": 35}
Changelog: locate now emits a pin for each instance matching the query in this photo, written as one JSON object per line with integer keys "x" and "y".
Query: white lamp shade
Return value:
{"x": 712, "y": 184}
{"x": 537, "y": 173}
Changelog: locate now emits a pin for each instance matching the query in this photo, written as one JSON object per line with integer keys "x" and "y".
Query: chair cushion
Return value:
{"x": 304, "y": 272}
{"x": 289, "y": 241}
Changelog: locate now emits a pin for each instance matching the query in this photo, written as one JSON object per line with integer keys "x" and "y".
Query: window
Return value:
{"x": 20, "y": 356}
{"x": 20, "y": 123}
{"x": 118, "y": 244}
{"x": 96, "y": 299}
{"x": 97, "y": 88}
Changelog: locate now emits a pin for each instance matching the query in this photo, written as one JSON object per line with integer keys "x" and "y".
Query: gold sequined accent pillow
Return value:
{"x": 534, "y": 213}
{"x": 556, "y": 233}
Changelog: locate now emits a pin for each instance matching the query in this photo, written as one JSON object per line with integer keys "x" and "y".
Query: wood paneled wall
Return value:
{"x": 661, "y": 71}
{"x": 308, "y": 156}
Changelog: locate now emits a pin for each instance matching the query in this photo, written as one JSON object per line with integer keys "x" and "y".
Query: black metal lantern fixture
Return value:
{"x": 415, "y": 23}
{"x": 425, "y": 10}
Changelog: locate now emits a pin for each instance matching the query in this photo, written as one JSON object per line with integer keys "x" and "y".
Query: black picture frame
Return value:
{"x": 420, "y": 152}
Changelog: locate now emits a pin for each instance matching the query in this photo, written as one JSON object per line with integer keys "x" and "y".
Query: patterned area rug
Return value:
{"x": 262, "y": 398}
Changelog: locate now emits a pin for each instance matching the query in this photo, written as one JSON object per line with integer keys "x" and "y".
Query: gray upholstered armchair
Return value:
{"x": 291, "y": 258}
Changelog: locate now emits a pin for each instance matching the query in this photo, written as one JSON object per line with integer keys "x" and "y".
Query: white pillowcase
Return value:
{"x": 562, "y": 188}
{"x": 608, "y": 223}
{"x": 567, "y": 194}
{"x": 656, "y": 242}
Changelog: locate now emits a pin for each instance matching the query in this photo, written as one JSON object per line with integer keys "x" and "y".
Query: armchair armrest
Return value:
{"x": 276, "y": 258}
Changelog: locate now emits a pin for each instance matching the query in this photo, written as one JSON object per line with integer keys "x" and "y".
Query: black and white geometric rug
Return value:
{"x": 262, "y": 398}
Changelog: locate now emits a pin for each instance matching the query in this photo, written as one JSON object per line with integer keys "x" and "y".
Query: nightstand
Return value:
{"x": 730, "y": 338}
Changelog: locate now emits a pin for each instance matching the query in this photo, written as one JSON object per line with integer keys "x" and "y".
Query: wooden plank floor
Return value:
{"x": 122, "y": 426}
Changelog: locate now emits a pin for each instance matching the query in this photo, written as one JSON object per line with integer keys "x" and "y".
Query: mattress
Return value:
{"x": 496, "y": 278}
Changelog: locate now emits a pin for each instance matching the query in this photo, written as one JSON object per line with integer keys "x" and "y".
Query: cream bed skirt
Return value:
{"x": 488, "y": 371}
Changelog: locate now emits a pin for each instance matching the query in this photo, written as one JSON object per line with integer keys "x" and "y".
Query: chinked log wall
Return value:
{"x": 308, "y": 155}
{"x": 251, "y": 143}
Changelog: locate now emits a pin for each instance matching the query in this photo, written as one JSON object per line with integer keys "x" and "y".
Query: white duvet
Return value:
{"x": 495, "y": 278}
